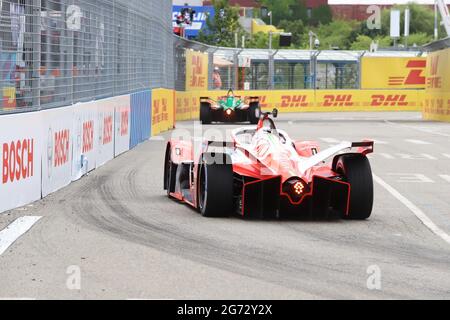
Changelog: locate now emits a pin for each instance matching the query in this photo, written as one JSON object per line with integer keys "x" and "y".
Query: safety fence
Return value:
{"x": 263, "y": 69}
{"x": 55, "y": 53}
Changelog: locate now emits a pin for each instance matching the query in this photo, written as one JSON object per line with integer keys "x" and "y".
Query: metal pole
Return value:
{"x": 436, "y": 21}
{"x": 270, "y": 64}
{"x": 36, "y": 55}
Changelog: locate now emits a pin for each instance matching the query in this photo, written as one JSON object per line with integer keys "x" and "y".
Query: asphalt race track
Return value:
{"x": 128, "y": 240}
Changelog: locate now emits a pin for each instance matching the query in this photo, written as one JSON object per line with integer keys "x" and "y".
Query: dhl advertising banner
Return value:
{"x": 368, "y": 100}
{"x": 393, "y": 73}
{"x": 187, "y": 103}
{"x": 57, "y": 149}
{"x": 163, "y": 111}
{"x": 21, "y": 153}
{"x": 436, "y": 99}
{"x": 196, "y": 71}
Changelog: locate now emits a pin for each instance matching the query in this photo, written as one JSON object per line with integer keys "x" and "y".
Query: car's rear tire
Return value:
{"x": 205, "y": 113}
{"x": 254, "y": 113}
{"x": 215, "y": 185}
{"x": 356, "y": 170}
{"x": 170, "y": 171}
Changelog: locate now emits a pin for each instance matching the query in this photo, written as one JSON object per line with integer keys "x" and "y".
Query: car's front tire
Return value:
{"x": 356, "y": 170}
{"x": 215, "y": 185}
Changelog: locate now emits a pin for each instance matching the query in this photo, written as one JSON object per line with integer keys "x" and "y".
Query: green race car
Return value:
{"x": 229, "y": 109}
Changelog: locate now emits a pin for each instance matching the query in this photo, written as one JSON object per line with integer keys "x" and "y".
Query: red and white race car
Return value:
{"x": 262, "y": 173}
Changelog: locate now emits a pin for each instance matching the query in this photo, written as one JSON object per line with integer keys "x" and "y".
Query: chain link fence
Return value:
{"x": 58, "y": 52}
{"x": 266, "y": 69}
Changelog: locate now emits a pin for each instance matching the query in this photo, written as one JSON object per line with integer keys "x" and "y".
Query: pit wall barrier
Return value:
{"x": 436, "y": 98}
{"x": 187, "y": 103}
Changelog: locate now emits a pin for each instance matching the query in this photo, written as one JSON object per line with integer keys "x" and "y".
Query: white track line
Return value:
{"x": 426, "y": 130}
{"x": 330, "y": 140}
{"x": 15, "y": 230}
{"x": 445, "y": 177}
{"x": 414, "y": 209}
{"x": 420, "y": 142}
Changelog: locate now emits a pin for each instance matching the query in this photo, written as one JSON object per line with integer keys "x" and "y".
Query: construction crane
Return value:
{"x": 443, "y": 9}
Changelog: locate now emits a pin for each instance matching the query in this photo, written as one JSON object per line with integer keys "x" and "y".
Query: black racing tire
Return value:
{"x": 356, "y": 170}
{"x": 205, "y": 113}
{"x": 254, "y": 113}
{"x": 215, "y": 186}
{"x": 170, "y": 172}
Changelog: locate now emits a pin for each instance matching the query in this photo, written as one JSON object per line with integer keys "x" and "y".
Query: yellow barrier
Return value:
{"x": 163, "y": 111}
{"x": 436, "y": 99}
{"x": 187, "y": 103}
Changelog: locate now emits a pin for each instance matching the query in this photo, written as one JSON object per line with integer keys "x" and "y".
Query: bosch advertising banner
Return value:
{"x": 393, "y": 73}
{"x": 56, "y": 149}
{"x": 85, "y": 139}
{"x": 199, "y": 22}
{"x": 122, "y": 124}
{"x": 105, "y": 131}
{"x": 436, "y": 99}
{"x": 196, "y": 71}
{"x": 20, "y": 151}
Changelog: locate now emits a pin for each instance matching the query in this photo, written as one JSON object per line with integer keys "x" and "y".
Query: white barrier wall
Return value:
{"x": 42, "y": 152}
{"x": 85, "y": 139}
{"x": 123, "y": 124}
{"x": 105, "y": 132}
{"x": 57, "y": 133}
{"x": 20, "y": 150}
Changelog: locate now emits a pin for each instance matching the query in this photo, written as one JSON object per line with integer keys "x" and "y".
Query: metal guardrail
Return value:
{"x": 58, "y": 52}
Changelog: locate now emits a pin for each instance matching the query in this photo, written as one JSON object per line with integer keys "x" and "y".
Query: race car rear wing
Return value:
{"x": 365, "y": 147}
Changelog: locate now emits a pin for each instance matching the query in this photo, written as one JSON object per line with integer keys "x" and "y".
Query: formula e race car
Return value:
{"x": 262, "y": 173}
{"x": 229, "y": 109}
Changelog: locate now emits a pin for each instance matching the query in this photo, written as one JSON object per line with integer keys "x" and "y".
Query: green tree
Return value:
{"x": 321, "y": 15}
{"x": 419, "y": 39}
{"x": 422, "y": 19}
{"x": 337, "y": 34}
{"x": 363, "y": 42}
{"x": 221, "y": 28}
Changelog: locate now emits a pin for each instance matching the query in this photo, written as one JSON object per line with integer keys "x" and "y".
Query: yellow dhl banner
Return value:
{"x": 163, "y": 108}
{"x": 438, "y": 75}
{"x": 436, "y": 106}
{"x": 393, "y": 73}
{"x": 188, "y": 103}
{"x": 368, "y": 100}
{"x": 196, "y": 71}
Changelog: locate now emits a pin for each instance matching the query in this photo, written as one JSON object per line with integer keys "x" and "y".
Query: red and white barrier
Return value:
{"x": 20, "y": 151}
{"x": 123, "y": 124}
{"x": 57, "y": 133}
{"x": 85, "y": 139}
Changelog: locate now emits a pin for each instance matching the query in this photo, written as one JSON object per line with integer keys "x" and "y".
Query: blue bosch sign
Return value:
{"x": 199, "y": 18}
